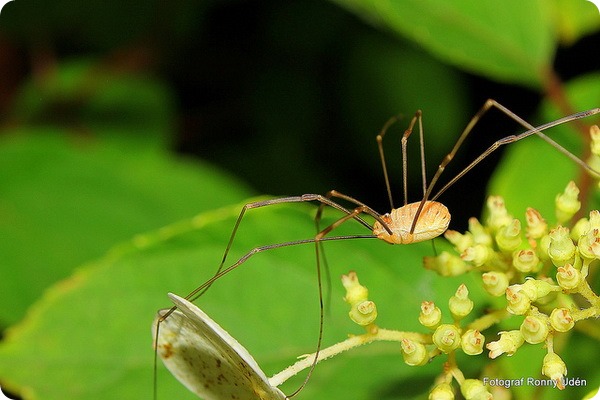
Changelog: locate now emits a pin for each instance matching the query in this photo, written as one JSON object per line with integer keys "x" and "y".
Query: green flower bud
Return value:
{"x": 534, "y": 329}
{"x": 536, "y": 225}
{"x": 547, "y": 290}
{"x": 567, "y": 203}
{"x": 594, "y": 219}
{"x": 363, "y": 313}
{"x": 525, "y": 288}
{"x": 595, "y": 247}
{"x": 430, "y": 315}
{"x": 446, "y": 337}
{"x": 526, "y": 261}
{"x": 446, "y": 264}
{"x": 460, "y": 241}
{"x": 594, "y": 160}
{"x": 460, "y": 305}
{"x": 568, "y": 277}
{"x": 561, "y": 320}
{"x": 561, "y": 249}
{"x": 536, "y": 288}
{"x": 588, "y": 244}
{"x": 554, "y": 368}
{"x": 498, "y": 215}
{"x": 479, "y": 233}
{"x": 474, "y": 389}
{"x": 581, "y": 227}
{"x": 355, "y": 292}
{"x": 543, "y": 248}
{"x": 495, "y": 283}
{"x": 509, "y": 343}
{"x": 478, "y": 255}
{"x": 472, "y": 342}
{"x": 414, "y": 353}
{"x": 508, "y": 237}
{"x": 443, "y": 391}
{"x": 518, "y": 301}
{"x": 589, "y": 239}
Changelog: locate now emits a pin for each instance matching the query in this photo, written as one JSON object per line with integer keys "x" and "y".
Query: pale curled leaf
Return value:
{"x": 206, "y": 359}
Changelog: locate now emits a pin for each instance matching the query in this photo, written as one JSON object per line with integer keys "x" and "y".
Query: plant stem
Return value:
{"x": 350, "y": 343}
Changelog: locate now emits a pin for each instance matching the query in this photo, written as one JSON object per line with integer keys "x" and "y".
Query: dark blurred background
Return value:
{"x": 287, "y": 96}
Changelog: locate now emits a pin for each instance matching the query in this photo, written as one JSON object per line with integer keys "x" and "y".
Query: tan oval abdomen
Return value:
{"x": 433, "y": 221}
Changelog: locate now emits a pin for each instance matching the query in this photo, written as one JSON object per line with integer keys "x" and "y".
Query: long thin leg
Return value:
{"x": 404, "y": 142}
{"x": 318, "y": 239}
{"x": 422, "y": 147}
{"x": 319, "y": 214}
{"x": 292, "y": 199}
{"x": 379, "y": 139}
{"x": 258, "y": 204}
{"x": 532, "y": 131}
{"x": 366, "y": 209}
{"x": 509, "y": 139}
{"x": 193, "y": 296}
{"x": 199, "y": 290}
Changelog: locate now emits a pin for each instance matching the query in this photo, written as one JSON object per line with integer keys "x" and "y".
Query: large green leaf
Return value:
{"x": 89, "y": 337}
{"x": 510, "y": 40}
{"x": 65, "y": 200}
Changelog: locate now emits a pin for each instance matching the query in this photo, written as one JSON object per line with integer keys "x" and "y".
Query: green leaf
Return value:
{"x": 575, "y": 19}
{"x": 511, "y": 41}
{"x": 532, "y": 166}
{"x": 90, "y": 337}
{"x": 64, "y": 201}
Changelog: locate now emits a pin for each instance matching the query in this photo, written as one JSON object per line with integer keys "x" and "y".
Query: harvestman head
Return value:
{"x": 410, "y": 223}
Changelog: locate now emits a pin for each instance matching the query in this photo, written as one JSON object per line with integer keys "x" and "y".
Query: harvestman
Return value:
{"x": 411, "y": 223}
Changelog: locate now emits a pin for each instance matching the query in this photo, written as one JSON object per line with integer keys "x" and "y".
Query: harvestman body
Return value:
{"x": 410, "y": 223}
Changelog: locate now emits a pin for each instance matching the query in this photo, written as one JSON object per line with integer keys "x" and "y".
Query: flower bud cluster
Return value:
{"x": 536, "y": 266}
{"x": 450, "y": 337}
{"x": 505, "y": 252}
{"x": 502, "y": 245}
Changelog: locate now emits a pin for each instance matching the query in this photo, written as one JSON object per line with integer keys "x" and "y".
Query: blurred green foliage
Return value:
{"x": 87, "y": 172}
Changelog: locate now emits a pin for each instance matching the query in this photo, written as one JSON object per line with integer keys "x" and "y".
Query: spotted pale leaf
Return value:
{"x": 206, "y": 359}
